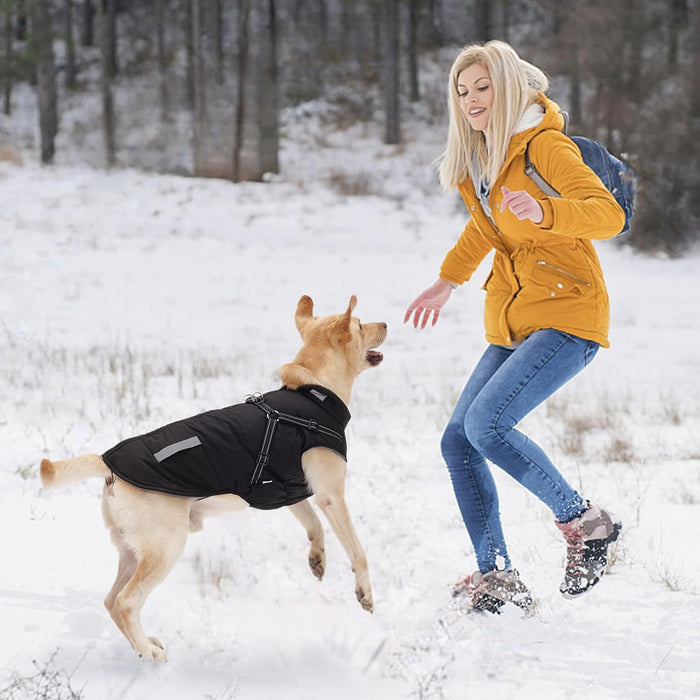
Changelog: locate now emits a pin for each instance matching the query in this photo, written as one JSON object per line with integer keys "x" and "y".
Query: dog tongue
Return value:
{"x": 374, "y": 357}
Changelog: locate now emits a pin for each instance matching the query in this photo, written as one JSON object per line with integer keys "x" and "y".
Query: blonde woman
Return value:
{"x": 546, "y": 310}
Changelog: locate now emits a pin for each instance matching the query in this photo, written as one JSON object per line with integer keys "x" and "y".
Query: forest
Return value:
{"x": 217, "y": 75}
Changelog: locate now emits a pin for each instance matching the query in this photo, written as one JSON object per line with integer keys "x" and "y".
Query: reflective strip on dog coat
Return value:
{"x": 215, "y": 452}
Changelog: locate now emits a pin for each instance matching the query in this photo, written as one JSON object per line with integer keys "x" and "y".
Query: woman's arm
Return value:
{"x": 586, "y": 208}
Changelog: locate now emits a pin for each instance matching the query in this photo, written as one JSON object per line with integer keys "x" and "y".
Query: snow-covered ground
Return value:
{"x": 128, "y": 300}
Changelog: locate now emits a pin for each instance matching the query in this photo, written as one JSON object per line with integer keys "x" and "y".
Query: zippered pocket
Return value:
{"x": 565, "y": 273}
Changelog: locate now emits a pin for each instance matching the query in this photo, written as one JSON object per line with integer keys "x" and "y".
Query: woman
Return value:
{"x": 546, "y": 310}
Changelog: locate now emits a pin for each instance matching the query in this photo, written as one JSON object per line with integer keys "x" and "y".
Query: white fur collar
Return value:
{"x": 532, "y": 116}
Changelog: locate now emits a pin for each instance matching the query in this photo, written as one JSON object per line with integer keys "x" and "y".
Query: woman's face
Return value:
{"x": 475, "y": 95}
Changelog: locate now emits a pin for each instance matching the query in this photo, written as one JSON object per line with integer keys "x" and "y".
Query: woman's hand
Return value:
{"x": 430, "y": 301}
{"x": 522, "y": 205}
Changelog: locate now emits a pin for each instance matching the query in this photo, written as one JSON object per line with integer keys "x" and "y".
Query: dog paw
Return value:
{"x": 317, "y": 563}
{"x": 365, "y": 600}
{"x": 154, "y": 651}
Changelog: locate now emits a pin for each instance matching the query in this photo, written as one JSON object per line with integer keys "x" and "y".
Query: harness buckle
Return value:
{"x": 313, "y": 425}
{"x": 255, "y": 397}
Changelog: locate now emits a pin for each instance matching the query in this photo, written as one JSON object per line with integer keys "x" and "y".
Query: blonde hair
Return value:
{"x": 516, "y": 85}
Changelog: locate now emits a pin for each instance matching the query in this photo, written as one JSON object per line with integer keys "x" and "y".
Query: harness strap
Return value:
{"x": 273, "y": 418}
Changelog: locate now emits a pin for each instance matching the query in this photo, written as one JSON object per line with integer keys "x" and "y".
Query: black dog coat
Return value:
{"x": 224, "y": 450}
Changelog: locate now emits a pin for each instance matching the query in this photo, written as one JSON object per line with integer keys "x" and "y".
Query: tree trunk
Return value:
{"x": 390, "y": 72}
{"x": 201, "y": 126}
{"x": 505, "y": 19}
{"x": 8, "y": 77}
{"x": 111, "y": 37}
{"x": 108, "y": 119}
{"x": 163, "y": 87}
{"x": 218, "y": 22}
{"x": 437, "y": 27}
{"x": 70, "y": 47}
{"x": 268, "y": 90}
{"x": 483, "y": 19}
{"x": 695, "y": 71}
{"x": 413, "y": 50}
{"x": 46, "y": 80}
{"x": 21, "y": 20}
{"x": 575, "y": 86}
{"x": 88, "y": 33}
{"x": 189, "y": 54}
{"x": 242, "y": 77}
{"x": 678, "y": 16}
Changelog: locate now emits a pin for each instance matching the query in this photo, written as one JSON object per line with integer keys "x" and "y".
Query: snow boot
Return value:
{"x": 587, "y": 538}
{"x": 491, "y": 591}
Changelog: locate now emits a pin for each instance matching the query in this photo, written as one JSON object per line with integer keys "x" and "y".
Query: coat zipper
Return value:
{"x": 562, "y": 272}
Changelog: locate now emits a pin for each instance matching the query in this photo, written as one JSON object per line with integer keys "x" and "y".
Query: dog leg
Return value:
{"x": 306, "y": 515}
{"x": 127, "y": 568}
{"x": 150, "y": 530}
{"x": 325, "y": 471}
{"x": 336, "y": 510}
{"x": 151, "y": 569}
{"x": 127, "y": 558}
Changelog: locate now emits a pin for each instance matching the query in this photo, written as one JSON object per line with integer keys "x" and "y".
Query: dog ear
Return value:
{"x": 341, "y": 328}
{"x": 305, "y": 311}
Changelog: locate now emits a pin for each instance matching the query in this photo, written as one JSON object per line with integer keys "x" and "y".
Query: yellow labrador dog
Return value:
{"x": 274, "y": 450}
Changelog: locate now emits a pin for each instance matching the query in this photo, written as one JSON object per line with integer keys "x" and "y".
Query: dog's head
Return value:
{"x": 339, "y": 344}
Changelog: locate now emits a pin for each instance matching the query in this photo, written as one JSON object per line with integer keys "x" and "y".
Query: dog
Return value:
{"x": 149, "y": 526}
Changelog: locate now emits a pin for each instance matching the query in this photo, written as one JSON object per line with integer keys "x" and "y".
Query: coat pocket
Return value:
{"x": 557, "y": 280}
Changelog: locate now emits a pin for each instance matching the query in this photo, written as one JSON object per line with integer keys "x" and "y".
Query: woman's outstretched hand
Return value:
{"x": 429, "y": 302}
{"x": 522, "y": 204}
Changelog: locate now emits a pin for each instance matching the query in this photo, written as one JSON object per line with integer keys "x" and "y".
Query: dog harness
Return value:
{"x": 251, "y": 449}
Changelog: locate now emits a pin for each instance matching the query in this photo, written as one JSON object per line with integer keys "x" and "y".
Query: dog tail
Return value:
{"x": 71, "y": 471}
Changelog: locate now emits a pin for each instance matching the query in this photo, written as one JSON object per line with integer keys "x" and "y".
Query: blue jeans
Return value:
{"x": 505, "y": 386}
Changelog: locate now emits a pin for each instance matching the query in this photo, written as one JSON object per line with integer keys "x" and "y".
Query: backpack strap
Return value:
{"x": 533, "y": 174}
{"x": 531, "y": 170}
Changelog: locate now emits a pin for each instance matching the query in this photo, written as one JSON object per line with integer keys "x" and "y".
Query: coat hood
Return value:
{"x": 552, "y": 119}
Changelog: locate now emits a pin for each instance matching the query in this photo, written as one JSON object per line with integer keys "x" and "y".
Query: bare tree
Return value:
{"x": 200, "y": 122}
{"x": 189, "y": 52}
{"x": 70, "y": 69}
{"x": 110, "y": 37}
{"x": 390, "y": 72}
{"x": 482, "y": 11}
{"x": 108, "y": 116}
{"x": 437, "y": 27}
{"x": 218, "y": 32}
{"x": 163, "y": 84}
{"x": 413, "y": 50}
{"x": 677, "y": 20}
{"x": 46, "y": 79}
{"x": 241, "y": 96}
{"x": 21, "y": 19}
{"x": 87, "y": 36}
{"x": 8, "y": 68}
{"x": 268, "y": 90}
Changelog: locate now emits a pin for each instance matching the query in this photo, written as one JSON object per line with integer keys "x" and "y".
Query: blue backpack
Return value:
{"x": 618, "y": 177}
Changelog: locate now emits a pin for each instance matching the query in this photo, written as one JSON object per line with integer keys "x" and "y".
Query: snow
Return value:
{"x": 131, "y": 299}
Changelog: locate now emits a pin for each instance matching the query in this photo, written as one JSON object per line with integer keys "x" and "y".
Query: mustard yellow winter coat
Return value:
{"x": 544, "y": 275}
